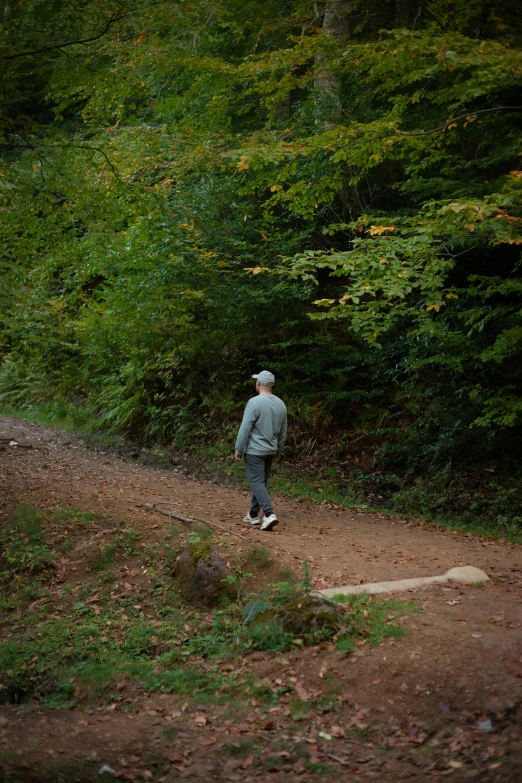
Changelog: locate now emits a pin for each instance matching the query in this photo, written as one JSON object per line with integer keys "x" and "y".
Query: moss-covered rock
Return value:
{"x": 310, "y": 618}
{"x": 201, "y": 574}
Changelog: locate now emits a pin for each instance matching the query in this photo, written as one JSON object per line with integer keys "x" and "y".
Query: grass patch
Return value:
{"x": 75, "y": 636}
{"x": 32, "y": 540}
{"x": 299, "y": 710}
{"x": 370, "y": 619}
{"x": 258, "y": 557}
{"x": 241, "y": 748}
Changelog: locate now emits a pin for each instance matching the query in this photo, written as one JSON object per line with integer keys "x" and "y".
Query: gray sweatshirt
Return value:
{"x": 263, "y": 429}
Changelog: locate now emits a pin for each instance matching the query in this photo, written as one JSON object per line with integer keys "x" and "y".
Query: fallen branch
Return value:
{"x": 192, "y": 520}
{"x": 13, "y": 442}
{"x": 336, "y": 758}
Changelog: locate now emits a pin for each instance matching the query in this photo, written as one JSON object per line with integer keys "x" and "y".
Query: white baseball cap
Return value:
{"x": 265, "y": 377}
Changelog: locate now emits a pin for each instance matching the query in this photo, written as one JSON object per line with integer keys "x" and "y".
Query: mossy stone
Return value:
{"x": 310, "y": 617}
{"x": 201, "y": 574}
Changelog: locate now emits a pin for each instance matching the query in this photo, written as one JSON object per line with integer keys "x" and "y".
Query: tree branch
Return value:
{"x": 191, "y": 520}
{"x": 87, "y": 147}
{"x": 456, "y": 119}
{"x": 50, "y": 47}
{"x": 432, "y": 14}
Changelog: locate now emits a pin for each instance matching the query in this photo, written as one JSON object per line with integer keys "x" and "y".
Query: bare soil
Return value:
{"x": 416, "y": 708}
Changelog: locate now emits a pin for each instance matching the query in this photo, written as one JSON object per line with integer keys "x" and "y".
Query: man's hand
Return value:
{"x": 239, "y": 457}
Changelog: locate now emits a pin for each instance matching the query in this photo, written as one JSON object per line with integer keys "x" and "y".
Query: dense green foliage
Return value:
{"x": 192, "y": 191}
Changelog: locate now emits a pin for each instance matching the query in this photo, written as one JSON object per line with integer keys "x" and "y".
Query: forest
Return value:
{"x": 192, "y": 191}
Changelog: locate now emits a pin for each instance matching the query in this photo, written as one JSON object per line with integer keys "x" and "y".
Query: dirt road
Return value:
{"x": 342, "y": 547}
{"x": 464, "y": 649}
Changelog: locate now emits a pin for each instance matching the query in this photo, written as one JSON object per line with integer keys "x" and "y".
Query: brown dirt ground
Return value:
{"x": 463, "y": 651}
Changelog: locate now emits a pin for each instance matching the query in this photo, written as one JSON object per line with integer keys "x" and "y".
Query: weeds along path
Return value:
{"x": 410, "y": 708}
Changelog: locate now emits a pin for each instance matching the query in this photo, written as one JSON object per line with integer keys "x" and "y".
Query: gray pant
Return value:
{"x": 258, "y": 471}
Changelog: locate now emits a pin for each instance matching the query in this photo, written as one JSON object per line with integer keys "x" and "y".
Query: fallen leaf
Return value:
{"x": 324, "y": 735}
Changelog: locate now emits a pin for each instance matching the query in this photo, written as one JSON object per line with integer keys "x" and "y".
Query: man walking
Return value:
{"x": 261, "y": 436}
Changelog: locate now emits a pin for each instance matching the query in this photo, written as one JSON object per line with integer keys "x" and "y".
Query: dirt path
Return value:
{"x": 464, "y": 649}
{"x": 342, "y": 547}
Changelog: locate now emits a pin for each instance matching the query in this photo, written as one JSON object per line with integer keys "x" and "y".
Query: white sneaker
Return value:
{"x": 269, "y": 522}
{"x": 251, "y": 520}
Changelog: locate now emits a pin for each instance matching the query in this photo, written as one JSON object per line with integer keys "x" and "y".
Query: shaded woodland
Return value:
{"x": 193, "y": 191}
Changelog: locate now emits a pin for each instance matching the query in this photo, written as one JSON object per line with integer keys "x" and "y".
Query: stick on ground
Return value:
{"x": 192, "y": 520}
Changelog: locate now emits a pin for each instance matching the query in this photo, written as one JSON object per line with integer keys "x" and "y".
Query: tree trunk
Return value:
{"x": 336, "y": 23}
{"x": 405, "y": 13}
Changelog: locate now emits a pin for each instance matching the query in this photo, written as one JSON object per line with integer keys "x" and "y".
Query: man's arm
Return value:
{"x": 281, "y": 437}
{"x": 249, "y": 419}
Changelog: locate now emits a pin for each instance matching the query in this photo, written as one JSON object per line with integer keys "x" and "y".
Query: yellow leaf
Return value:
{"x": 356, "y": 62}
{"x": 378, "y": 230}
{"x": 384, "y": 261}
{"x": 276, "y": 187}
{"x": 345, "y": 298}
{"x": 243, "y": 163}
{"x": 435, "y": 307}
{"x": 256, "y": 270}
{"x": 451, "y": 296}
{"x": 366, "y": 287}
{"x": 323, "y": 301}
{"x": 451, "y": 125}
{"x": 517, "y": 174}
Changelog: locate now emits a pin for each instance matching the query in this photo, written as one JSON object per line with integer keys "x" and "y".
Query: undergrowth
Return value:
{"x": 74, "y": 633}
